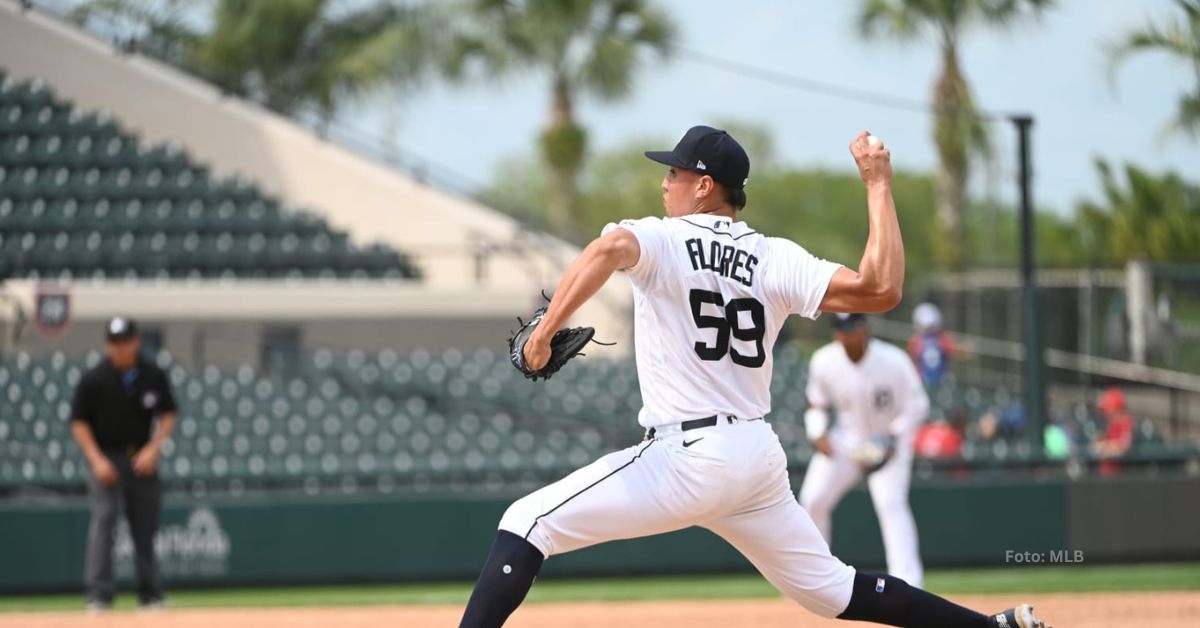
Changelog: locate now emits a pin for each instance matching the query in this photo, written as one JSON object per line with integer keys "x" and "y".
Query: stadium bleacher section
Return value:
{"x": 346, "y": 422}
{"x": 81, "y": 198}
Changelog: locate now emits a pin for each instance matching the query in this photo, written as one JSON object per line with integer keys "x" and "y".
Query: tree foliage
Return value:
{"x": 1179, "y": 38}
{"x": 1146, "y": 216}
{"x": 1155, "y": 217}
{"x": 286, "y": 54}
{"x": 959, "y": 129}
{"x": 584, "y": 47}
{"x": 824, "y": 211}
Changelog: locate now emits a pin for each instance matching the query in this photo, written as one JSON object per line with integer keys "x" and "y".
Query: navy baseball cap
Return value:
{"x": 120, "y": 328}
{"x": 709, "y": 151}
{"x": 846, "y": 322}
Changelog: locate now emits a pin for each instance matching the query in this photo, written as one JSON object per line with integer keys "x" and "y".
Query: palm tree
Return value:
{"x": 1179, "y": 38}
{"x": 1150, "y": 217}
{"x": 586, "y": 47}
{"x": 958, "y": 127}
{"x": 288, "y": 55}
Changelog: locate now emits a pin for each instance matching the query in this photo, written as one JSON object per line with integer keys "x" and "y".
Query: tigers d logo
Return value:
{"x": 882, "y": 397}
{"x": 52, "y": 311}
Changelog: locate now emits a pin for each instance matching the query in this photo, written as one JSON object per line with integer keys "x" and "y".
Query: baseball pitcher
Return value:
{"x": 710, "y": 295}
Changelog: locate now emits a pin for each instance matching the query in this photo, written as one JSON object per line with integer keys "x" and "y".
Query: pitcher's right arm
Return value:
{"x": 879, "y": 282}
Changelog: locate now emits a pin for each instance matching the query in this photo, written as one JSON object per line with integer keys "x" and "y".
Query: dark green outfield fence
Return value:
{"x": 309, "y": 540}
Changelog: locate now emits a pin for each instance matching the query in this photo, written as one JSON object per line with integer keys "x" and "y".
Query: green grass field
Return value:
{"x": 1064, "y": 579}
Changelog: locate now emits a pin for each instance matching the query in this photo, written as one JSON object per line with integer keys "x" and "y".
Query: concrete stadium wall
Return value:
{"x": 199, "y": 342}
{"x": 225, "y": 323}
{"x": 389, "y": 538}
{"x": 370, "y": 201}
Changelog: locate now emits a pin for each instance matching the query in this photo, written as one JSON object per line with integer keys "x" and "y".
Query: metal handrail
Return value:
{"x": 1057, "y": 358}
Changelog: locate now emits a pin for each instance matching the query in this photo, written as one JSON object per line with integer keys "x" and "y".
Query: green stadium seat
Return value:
{"x": 10, "y": 117}
{"x": 47, "y": 150}
{"x": 85, "y": 184}
{"x": 343, "y": 423}
{"x": 15, "y": 149}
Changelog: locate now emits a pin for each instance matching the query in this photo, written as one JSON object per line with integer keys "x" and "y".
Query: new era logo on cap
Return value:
{"x": 119, "y": 328}
{"x": 843, "y": 321}
{"x": 711, "y": 151}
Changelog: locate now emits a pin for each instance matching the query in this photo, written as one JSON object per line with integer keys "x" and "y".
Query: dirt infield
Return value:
{"x": 1098, "y": 610}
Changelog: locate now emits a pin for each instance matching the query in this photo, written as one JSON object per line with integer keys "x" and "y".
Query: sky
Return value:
{"x": 1054, "y": 69}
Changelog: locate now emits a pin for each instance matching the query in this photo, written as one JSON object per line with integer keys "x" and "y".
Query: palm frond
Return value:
{"x": 608, "y": 74}
{"x": 1179, "y": 38}
{"x": 1172, "y": 38}
{"x": 1187, "y": 118}
{"x": 1005, "y": 13}
{"x": 891, "y": 18}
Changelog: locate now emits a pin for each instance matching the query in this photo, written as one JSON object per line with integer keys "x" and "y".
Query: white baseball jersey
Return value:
{"x": 710, "y": 295}
{"x": 880, "y": 394}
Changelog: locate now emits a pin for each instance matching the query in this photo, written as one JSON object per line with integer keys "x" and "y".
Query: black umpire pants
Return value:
{"x": 142, "y": 496}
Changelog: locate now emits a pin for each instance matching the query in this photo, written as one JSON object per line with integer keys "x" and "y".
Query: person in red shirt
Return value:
{"x": 1118, "y": 432}
{"x": 938, "y": 439}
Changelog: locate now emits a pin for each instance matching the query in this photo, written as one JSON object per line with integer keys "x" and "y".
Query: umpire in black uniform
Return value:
{"x": 113, "y": 411}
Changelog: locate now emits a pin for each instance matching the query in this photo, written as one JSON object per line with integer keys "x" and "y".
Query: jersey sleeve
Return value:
{"x": 83, "y": 406}
{"x": 653, "y": 240}
{"x": 814, "y": 390}
{"x": 166, "y": 398}
{"x": 915, "y": 401}
{"x": 799, "y": 278}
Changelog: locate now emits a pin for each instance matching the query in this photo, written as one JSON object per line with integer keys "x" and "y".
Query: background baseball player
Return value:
{"x": 880, "y": 401}
{"x": 710, "y": 297}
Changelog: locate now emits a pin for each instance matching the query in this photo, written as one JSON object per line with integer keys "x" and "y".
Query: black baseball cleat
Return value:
{"x": 1019, "y": 617}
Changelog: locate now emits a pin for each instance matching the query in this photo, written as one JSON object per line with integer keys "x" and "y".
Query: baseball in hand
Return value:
{"x": 872, "y": 140}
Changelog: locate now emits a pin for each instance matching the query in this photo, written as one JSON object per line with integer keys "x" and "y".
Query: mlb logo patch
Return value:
{"x": 880, "y": 583}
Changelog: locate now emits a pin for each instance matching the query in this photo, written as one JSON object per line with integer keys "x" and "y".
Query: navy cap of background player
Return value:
{"x": 847, "y": 322}
{"x": 120, "y": 328}
{"x": 709, "y": 151}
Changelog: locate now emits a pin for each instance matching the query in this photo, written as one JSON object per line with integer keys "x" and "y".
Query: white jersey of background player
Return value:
{"x": 710, "y": 295}
{"x": 879, "y": 397}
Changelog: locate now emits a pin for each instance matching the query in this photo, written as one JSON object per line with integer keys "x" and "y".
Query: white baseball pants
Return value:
{"x": 731, "y": 478}
{"x": 829, "y": 479}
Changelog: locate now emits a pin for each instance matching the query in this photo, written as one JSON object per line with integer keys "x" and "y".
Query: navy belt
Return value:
{"x": 695, "y": 424}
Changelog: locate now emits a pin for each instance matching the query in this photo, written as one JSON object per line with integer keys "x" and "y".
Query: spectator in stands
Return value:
{"x": 114, "y": 407}
{"x": 941, "y": 438}
{"x": 1118, "y": 432}
{"x": 988, "y": 424}
{"x": 1058, "y": 441}
{"x": 931, "y": 348}
{"x": 1003, "y": 422}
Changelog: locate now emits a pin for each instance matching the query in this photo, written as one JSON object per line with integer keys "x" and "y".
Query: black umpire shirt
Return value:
{"x": 120, "y": 407}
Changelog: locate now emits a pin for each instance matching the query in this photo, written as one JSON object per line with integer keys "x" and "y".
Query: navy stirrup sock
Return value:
{"x": 506, "y": 577}
{"x": 889, "y": 600}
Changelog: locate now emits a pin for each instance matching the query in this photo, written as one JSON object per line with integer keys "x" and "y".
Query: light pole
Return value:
{"x": 1034, "y": 392}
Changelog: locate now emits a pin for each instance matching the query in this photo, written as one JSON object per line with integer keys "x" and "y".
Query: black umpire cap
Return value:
{"x": 120, "y": 328}
{"x": 847, "y": 322}
{"x": 709, "y": 151}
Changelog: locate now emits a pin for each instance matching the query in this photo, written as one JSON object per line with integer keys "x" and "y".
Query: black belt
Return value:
{"x": 695, "y": 424}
